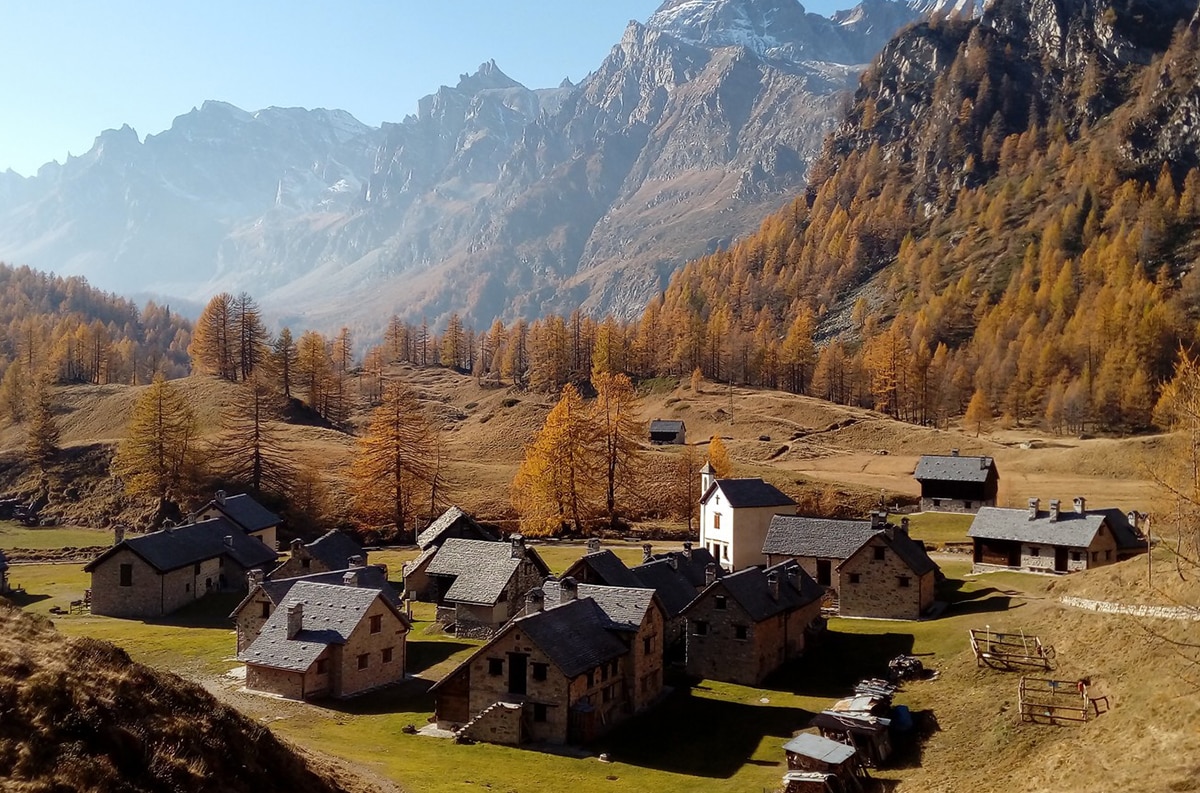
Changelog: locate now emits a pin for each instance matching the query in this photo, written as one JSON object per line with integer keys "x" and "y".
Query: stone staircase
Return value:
{"x": 499, "y": 722}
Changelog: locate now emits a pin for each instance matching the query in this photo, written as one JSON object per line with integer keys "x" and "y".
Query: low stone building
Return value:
{"x": 454, "y": 523}
{"x": 1054, "y": 540}
{"x": 254, "y": 519}
{"x": 734, "y": 516}
{"x": 581, "y": 659}
{"x": 819, "y": 545}
{"x": 481, "y": 585}
{"x": 152, "y": 575}
{"x": 668, "y": 431}
{"x": 327, "y": 640}
{"x": 333, "y": 550}
{"x": 266, "y": 595}
{"x": 952, "y": 483}
{"x": 748, "y": 624}
{"x": 890, "y": 576}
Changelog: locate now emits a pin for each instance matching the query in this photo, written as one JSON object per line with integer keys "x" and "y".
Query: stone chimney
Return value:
{"x": 904, "y": 524}
{"x": 297, "y": 545}
{"x": 773, "y": 584}
{"x": 647, "y": 553}
{"x": 118, "y": 535}
{"x": 593, "y": 545}
{"x": 1080, "y": 505}
{"x": 1054, "y": 510}
{"x": 295, "y": 614}
{"x": 355, "y": 561}
{"x": 687, "y": 551}
{"x": 878, "y": 519}
{"x": 350, "y": 578}
{"x": 568, "y": 590}
{"x": 793, "y": 576}
{"x": 518, "y": 546}
{"x": 535, "y": 600}
{"x": 1033, "y": 508}
{"x": 710, "y": 575}
{"x": 673, "y": 560}
{"x": 954, "y": 452}
{"x": 220, "y": 499}
{"x": 191, "y": 518}
{"x": 228, "y": 540}
{"x": 254, "y": 578}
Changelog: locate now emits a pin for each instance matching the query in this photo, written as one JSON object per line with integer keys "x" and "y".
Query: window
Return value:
{"x": 387, "y": 655}
{"x": 1035, "y": 551}
{"x": 322, "y": 666}
{"x": 376, "y": 623}
{"x": 126, "y": 575}
{"x": 1075, "y": 556}
{"x": 591, "y": 678}
{"x": 1095, "y": 556}
{"x": 187, "y": 587}
{"x": 540, "y": 671}
{"x": 699, "y": 628}
{"x": 716, "y": 520}
{"x": 646, "y": 646}
{"x": 904, "y": 581}
{"x": 879, "y": 552}
{"x": 265, "y": 610}
{"x": 721, "y": 603}
{"x": 855, "y": 578}
{"x": 495, "y": 666}
{"x": 539, "y": 711}
{"x": 363, "y": 661}
{"x": 967, "y": 505}
{"x": 306, "y": 563}
{"x": 604, "y": 673}
{"x": 741, "y": 632}
{"x": 196, "y": 569}
{"x": 937, "y": 502}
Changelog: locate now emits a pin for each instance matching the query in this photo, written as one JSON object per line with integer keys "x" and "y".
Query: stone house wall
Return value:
{"x": 352, "y": 680}
{"x": 275, "y": 681}
{"x": 646, "y": 660}
{"x": 251, "y": 618}
{"x": 878, "y": 591}
{"x": 499, "y": 723}
{"x": 489, "y": 684}
{"x": 718, "y": 654}
{"x": 143, "y": 598}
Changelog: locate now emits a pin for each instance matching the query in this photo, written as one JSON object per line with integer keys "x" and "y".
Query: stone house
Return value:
{"x": 668, "y": 431}
{"x": 748, "y": 624}
{"x": 481, "y": 585}
{"x": 581, "y": 659}
{"x": 327, "y": 640}
{"x": 1054, "y": 540}
{"x": 454, "y": 523}
{"x": 818, "y": 544}
{"x": 333, "y": 550}
{"x": 266, "y": 594}
{"x": 950, "y": 483}
{"x": 819, "y": 765}
{"x": 254, "y": 519}
{"x": 152, "y": 575}
{"x": 890, "y": 576}
{"x": 5, "y": 587}
{"x": 734, "y": 516}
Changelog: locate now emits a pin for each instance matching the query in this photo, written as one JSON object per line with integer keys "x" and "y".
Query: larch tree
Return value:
{"x": 395, "y": 462}
{"x": 619, "y": 434}
{"x": 283, "y": 361}
{"x": 152, "y": 461}
{"x": 14, "y": 391}
{"x": 313, "y": 370}
{"x": 551, "y": 491}
{"x": 718, "y": 458}
{"x": 251, "y": 449}
{"x": 41, "y": 442}
{"x": 214, "y": 349}
{"x": 685, "y": 487}
{"x": 979, "y": 415}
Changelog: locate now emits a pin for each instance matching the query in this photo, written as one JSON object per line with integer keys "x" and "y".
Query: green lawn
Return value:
{"x": 16, "y": 535}
{"x": 937, "y": 528}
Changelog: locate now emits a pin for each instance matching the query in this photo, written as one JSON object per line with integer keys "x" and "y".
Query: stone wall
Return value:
{"x": 955, "y": 505}
{"x": 500, "y": 723}
{"x": 878, "y": 592}
{"x": 250, "y": 619}
{"x": 553, "y": 692}
{"x": 275, "y": 681}
{"x": 351, "y": 680}
{"x": 142, "y": 599}
{"x": 1179, "y": 613}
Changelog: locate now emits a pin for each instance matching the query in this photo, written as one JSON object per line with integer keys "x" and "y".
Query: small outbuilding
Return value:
{"x": 820, "y": 765}
{"x": 481, "y": 585}
{"x": 453, "y": 524}
{"x": 890, "y": 576}
{"x": 818, "y": 544}
{"x": 953, "y": 483}
{"x": 668, "y": 431}
{"x": 333, "y": 550}
{"x": 254, "y": 519}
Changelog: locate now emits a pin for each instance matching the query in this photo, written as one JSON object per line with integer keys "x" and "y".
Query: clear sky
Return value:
{"x": 77, "y": 67}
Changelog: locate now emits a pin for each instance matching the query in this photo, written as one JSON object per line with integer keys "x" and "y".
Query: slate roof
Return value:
{"x": 415, "y": 564}
{"x": 819, "y": 748}
{"x": 369, "y": 577}
{"x": 609, "y": 567}
{"x": 331, "y": 613}
{"x": 1072, "y": 529}
{"x": 575, "y": 636}
{"x": 951, "y": 468}
{"x": 246, "y": 512}
{"x": 749, "y": 588}
{"x": 482, "y": 569}
{"x": 674, "y": 590}
{"x": 625, "y": 607}
{"x": 171, "y": 549}
{"x": 693, "y": 565}
{"x": 334, "y": 549}
{"x": 911, "y": 551}
{"x": 789, "y": 535}
{"x": 668, "y": 426}
{"x": 434, "y": 531}
{"x": 748, "y": 493}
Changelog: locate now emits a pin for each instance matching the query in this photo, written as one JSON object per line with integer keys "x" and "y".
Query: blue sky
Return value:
{"x": 78, "y": 67}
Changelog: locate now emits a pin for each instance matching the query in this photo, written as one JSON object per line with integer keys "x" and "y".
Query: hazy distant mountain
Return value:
{"x": 493, "y": 199}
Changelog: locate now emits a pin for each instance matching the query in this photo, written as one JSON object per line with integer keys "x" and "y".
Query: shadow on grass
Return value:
{"x": 410, "y": 696}
{"x": 23, "y": 599}
{"x": 908, "y": 748}
{"x": 708, "y": 737}
{"x": 210, "y": 611}
{"x": 972, "y": 601}
{"x": 425, "y": 654}
{"x": 832, "y": 667}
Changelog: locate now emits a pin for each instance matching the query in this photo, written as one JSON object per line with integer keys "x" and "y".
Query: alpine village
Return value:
{"x": 796, "y": 403}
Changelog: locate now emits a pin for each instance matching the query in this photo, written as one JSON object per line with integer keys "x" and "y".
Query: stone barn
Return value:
{"x": 819, "y": 545}
{"x": 668, "y": 431}
{"x": 333, "y": 550}
{"x": 481, "y": 585}
{"x": 951, "y": 483}
{"x": 254, "y": 519}
{"x": 890, "y": 576}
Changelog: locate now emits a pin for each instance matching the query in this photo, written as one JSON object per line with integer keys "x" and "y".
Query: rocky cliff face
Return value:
{"x": 493, "y": 200}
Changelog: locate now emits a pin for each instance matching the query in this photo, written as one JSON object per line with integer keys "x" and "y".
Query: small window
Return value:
{"x": 1035, "y": 551}
{"x": 905, "y": 581}
{"x": 716, "y": 520}
{"x": 126, "y": 575}
{"x": 1095, "y": 556}
{"x": 721, "y": 602}
{"x": 387, "y": 655}
{"x": 606, "y": 694}
{"x": 376, "y": 623}
{"x": 855, "y": 578}
{"x": 968, "y": 505}
{"x": 503, "y": 596}
{"x": 265, "y": 610}
{"x": 187, "y": 587}
{"x": 1107, "y": 555}
{"x": 495, "y": 666}
{"x": 196, "y": 569}
{"x": 363, "y": 661}
{"x": 540, "y": 671}
{"x": 646, "y": 646}
{"x": 699, "y": 628}
{"x": 879, "y": 552}
{"x": 1075, "y": 557}
{"x": 305, "y": 563}
{"x": 603, "y": 673}
{"x": 591, "y": 678}
{"x": 539, "y": 711}
{"x": 937, "y": 502}
{"x": 741, "y": 632}
{"x": 322, "y": 666}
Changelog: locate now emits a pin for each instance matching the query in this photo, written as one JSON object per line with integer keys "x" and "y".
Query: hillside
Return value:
{"x": 80, "y": 715}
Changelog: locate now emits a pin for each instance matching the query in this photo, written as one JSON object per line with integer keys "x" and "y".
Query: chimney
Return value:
{"x": 1054, "y": 510}
{"x": 518, "y": 546}
{"x": 878, "y": 519}
{"x": 350, "y": 578}
{"x": 295, "y": 614}
{"x": 535, "y": 600}
{"x": 710, "y": 575}
{"x": 687, "y": 551}
{"x": 228, "y": 540}
{"x": 954, "y": 452}
{"x": 647, "y": 553}
{"x": 904, "y": 525}
{"x": 1033, "y": 508}
{"x": 593, "y": 545}
{"x": 1080, "y": 505}
{"x": 773, "y": 584}
{"x": 673, "y": 560}
{"x": 191, "y": 518}
{"x": 568, "y": 590}
{"x": 254, "y": 578}
{"x": 118, "y": 535}
{"x": 793, "y": 576}
{"x": 355, "y": 561}
{"x": 1134, "y": 519}
{"x": 297, "y": 544}
{"x": 221, "y": 497}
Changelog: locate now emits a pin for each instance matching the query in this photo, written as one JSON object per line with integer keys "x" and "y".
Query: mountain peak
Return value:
{"x": 487, "y": 76}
